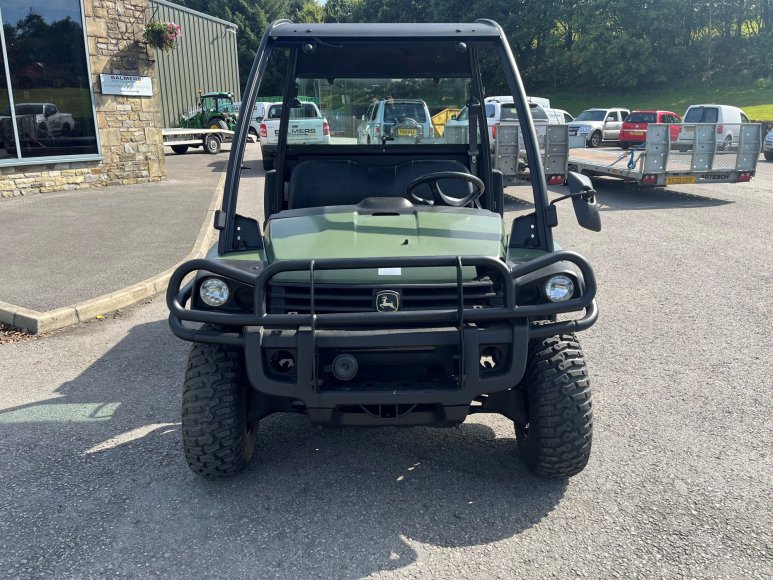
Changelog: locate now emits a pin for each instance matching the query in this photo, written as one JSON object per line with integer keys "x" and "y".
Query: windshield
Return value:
{"x": 701, "y": 115}
{"x": 641, "y": 118}
{"x": 397, "y": 111}
{"x": 591, "y": 115}
{"x": 305, "y": 111}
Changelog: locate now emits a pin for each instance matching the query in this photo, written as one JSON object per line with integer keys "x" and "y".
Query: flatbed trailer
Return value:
{"x": 661, "y": 161}
{"x": 211, "y": 139}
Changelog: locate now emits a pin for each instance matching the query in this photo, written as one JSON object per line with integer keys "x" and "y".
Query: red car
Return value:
{"x": 634, "y": 129}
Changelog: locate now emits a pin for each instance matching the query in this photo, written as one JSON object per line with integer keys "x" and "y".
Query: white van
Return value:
{"x": 258, "y": 112}
{"x": 727, "y": 118}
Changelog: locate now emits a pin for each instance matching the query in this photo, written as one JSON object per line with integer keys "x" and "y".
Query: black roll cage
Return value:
{"x": 482, "y": 33}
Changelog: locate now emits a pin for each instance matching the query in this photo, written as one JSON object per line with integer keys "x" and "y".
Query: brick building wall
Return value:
{"x": 129, "y": 127}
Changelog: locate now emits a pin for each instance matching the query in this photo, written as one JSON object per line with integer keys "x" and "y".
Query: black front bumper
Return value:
{"x": 390, "y": 342}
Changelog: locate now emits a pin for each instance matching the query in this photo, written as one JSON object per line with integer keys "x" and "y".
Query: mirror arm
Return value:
{"x": 587, "y": 195}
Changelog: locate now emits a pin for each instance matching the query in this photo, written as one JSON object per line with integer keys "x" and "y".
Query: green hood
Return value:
{"x": 354, "y": 234}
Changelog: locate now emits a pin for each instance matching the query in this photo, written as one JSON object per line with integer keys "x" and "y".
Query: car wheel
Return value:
{"x": 180, "y": 149}
{"x": 212, "y": 143}
{"x": 624, "y": 145}
{"x": 218, "y": 439}
{"x": 254, "y": 133}
{"x": 769, "y": 155}
{"x": 595, "y": 139}
{"x": 556, "y": 440}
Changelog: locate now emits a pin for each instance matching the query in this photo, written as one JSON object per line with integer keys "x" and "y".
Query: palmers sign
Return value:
{"x": 126, "y": 85}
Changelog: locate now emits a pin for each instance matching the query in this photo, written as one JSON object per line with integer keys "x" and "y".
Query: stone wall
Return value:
{"x": 129, "y": 127}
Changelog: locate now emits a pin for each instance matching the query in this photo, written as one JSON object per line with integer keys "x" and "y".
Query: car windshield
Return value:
{"x": 305, "y": 111}
{"x": 641, "y": 118}
{"x": 701, "y": 115}
{"x": 394, "y": 111}
{"x": 591, "y": 115}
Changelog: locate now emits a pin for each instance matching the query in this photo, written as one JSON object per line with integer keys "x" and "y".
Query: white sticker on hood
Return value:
{"x": 390, "y": 271}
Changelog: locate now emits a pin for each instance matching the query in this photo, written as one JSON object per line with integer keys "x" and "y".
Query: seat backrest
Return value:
{"x": 320, "y": 182}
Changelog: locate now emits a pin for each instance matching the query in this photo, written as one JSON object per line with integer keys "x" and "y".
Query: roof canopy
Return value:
{"x": 384, "y": 50}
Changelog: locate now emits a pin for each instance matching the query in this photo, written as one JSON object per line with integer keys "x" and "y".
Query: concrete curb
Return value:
{"x": 42, "y": 322}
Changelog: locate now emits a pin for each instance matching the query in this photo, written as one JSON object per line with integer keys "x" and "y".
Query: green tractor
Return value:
{"x": 216, "y": 111}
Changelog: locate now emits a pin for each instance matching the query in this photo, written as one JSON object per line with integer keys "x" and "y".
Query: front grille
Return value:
{"x": 332, "y": 298}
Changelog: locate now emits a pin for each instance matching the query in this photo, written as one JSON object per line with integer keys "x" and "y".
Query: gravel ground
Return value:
{"x": 93, "y": 482}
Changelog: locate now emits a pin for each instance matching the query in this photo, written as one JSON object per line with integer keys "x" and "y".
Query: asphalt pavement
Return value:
{"x": 93, "y": 482}
{"x": 63, "y": 248}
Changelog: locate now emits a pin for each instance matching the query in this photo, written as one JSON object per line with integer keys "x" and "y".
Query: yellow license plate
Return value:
{"x": 638, "y": 133}
{"x": 677, "y": 179}
{"x": 406, "y": 132}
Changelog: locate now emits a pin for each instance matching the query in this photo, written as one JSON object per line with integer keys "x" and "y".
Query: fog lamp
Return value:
{"x": 214, "y": 292}
{"x": 559, "y": 288}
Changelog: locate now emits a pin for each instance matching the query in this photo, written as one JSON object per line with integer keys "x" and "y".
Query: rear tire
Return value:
{"x": 212, "y": 144}
{"x": 218, "y": 124}
{"x": 180, "y": 149}
{"x": 769, "y": 155}
{"x": 624, "y": 145}
{"x": 595, "y": 139}
{"x": 217, "y": 438}
{"x": 556, "y": 441}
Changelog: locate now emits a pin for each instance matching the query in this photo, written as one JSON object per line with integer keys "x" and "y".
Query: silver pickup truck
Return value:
{"x": 307, "y": 127}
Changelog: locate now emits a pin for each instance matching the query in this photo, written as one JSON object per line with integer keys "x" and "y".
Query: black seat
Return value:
{"x": 320, "y": 182}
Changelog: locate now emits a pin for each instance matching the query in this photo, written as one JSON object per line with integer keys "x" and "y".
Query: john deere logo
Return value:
{"x": 387, "y": 301}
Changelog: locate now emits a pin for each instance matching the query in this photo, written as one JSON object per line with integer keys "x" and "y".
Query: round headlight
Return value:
{"x": 214, "y": 292}
{"x": 559, "y": 288}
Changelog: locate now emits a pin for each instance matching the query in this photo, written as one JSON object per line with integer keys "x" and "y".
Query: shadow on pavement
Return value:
{"x": 101, "y": 466}
{"x": 614, "y": 195}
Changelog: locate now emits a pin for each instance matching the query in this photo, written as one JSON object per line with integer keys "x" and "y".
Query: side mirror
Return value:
{"x": 584, "y": 201}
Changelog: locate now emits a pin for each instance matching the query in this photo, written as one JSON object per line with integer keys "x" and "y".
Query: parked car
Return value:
{"x": 767, "y": 146}
{"x": 395, "y": 119}
{"x": 598, "y": 125}
{"x": 307, "y": 126}
{"x": 727, "y": 118}
{"x": 634, "y": 129}
{"x": 48, "y": 120}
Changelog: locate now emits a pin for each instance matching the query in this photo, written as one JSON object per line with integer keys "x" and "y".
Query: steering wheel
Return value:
{"x": 438, "y": 196}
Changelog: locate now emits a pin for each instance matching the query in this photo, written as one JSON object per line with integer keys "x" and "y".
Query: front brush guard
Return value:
{"x": 177, "y": 296}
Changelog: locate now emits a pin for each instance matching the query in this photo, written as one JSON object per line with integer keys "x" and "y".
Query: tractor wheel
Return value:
{"x": 556, "y": 441}
{"x": 218, "y": 124}
{"x": 595, "y": 139}
{"x": 180, "y": 149}
{"x": 212, "y": 144}
{"x": 268, "y": 163}
{"x": 218, "y": 440}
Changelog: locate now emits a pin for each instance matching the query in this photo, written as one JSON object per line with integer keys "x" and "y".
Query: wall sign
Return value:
{"x": 126, "y": 85}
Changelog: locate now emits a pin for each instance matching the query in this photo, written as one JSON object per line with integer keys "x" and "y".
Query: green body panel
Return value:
{"x": 362, "y": 235}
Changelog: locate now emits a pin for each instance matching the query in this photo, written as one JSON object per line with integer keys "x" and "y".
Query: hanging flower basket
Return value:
{"x": 162, "y": 35}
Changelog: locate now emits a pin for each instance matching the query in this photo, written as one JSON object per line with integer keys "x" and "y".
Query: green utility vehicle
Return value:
{"x": 215, "y": 111}
{"x": 381, "y": 286}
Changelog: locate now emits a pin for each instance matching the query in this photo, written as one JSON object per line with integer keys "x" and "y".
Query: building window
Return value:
{"x": 46, "y": 106}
